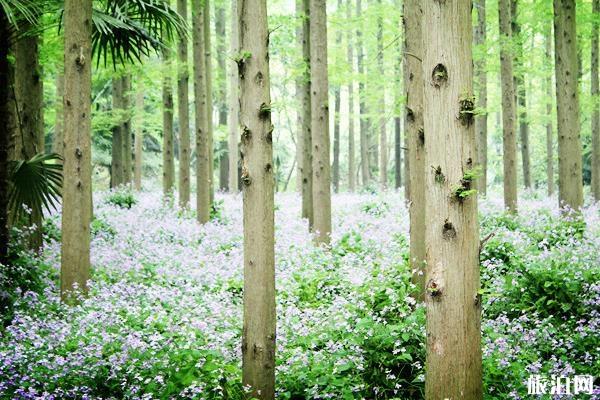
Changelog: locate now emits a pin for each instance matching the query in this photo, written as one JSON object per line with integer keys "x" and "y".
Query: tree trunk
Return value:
{"x": 209, "y": 100}
{"x": 336, "y": 141}
{"x": 222, "y": 93}
{"x": 319, "y": 100}
{"x": 234, "y": 105}
{"x": 258, "y": 345}
{"x": 202, "y": 152}
{"x": 508, "y": 108}
{"x": 77, "y": 170}
{"x": 139, "y": 134}
{"x": 570, "y": 181}
{"x": 57, "y": 141}
{"x": 549, "y": 130}
{"x": 413, "y": 78}
{"x": 398, "y": 99}
{"x": 453, "y": 302}
{"x": 183, "y": 105}
{"x": 117, "y": 162}
{"x": 168, "y": 148}
{"x": 126, "y": 130}
{"x": 596, "y": 107}
{"x": 481, "y": 78}
{"x": 364, "y": 143}
{"x": 5, "y": 129}
{"x": 351, "y": 144}
{"x": 383, "y": 146}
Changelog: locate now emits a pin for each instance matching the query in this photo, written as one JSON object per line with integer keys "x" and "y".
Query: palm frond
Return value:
{"x": 16, "y": 10}
{"x": 36, "y": 184}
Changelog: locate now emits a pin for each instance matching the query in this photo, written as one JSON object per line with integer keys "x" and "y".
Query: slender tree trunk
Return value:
{"x": 406, "y": 158}
{"x": 398, "y": 99}
{"x": 453, "y": 303}
{"x": 117, "y": 162}
{"x": 364, "y": 143}
{"x": 413, "y": 76}
{"x": 139, "y": 134}
{"x": 319, "y": 100}
{"x": 383, "y": 146}
{"x": 209, "y": 99}
{"x": 126, "y": 129}
{"x": 183, "y": 81}
{"x": 202, "y": 152}
{"x": 481, "y": 78}
{"x": 77, "y": 185}
{"x": 570, "y": 181}
{"x": 258, "y": 345}
{"x": 57, "y": 141}
{"x": 336, "y": 141}
{"x": 234, "y": 105}
{"x": 508, "y": 108}
{"x": 549, "y": 130}
{"x": 168, "y": 148}
{"x": 596, "y": 108}
{"x": 5, "y": 129}
{"x": 351, "y": 144}
{"x": 304, "y": 114}
{"x": 222, "y": 93}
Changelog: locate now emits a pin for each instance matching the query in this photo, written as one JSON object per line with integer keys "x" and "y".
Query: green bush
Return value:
{"x": 121, "y": 197}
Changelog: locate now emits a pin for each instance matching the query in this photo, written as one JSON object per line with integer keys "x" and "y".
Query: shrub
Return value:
{"x": 122, "y": 197}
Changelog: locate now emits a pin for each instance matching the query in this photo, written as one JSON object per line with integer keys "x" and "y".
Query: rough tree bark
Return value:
{"x": 508, "y": 108}
{"x": 319, "y": 101}
{"x": 202, "y": 152}
{"x": 383, "y": 145}
{"x": 570, "y": 180}
{"x": 415, "y": 131}
{"x": 549, "y": 129}
{"x": 481, "y": 75}
{"x": 351, "y": 142}
{"x": 139, "y": 134}
{"x": 596, "y": 108}
{"x": 77, "y": 185}
{"x": 183, "y": 80}
{"x": 258, "y": 345}
{"x": 221, "y": 38}
{"x": 5, "y": 129}
{"x": 453, "y": 303}
{"x": 364, "y": 143}
{"x": 168, "y": 148}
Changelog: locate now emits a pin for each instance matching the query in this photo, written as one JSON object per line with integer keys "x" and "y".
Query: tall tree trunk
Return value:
{"x": 336, "y": 141}
{"x": 319, "y": 101}
{"x": 202, "y": 151}
{"x": 77, "y": 185}
{"x": 596, "y": 107}
{"x": 398, "y": 99}
{"x": 570, "y": 181}
{"x": 57, "y": 141}
{"x": 453, "y": 303}
{"x": 183, "y": 81}
{"x": 5, "y": 129}
{"x": 413, "y": 78}
{"x": 508, "y": 108}
{"x": 222, "y": 93}
{"x": 126, "y": 132}
{"x": 139, "y": 134}
{"x": 117, "y": 162}
{"x": 304, "y": 113}
{"x": 383, "y": 146}
{"x": 364, "y": 143}
{"x": 234, "y": 104}
{"x": 258, "y": 345}
{"x": 168, "y": 148}
{"x": 209, "y": 100}
{"x": 351, "y": 119}
{"x": 549, "y": 130}
{"x": 481, "y": 79}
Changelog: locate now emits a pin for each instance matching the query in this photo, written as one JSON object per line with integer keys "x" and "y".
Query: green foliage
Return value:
{"x": 217, "y": 211}
{"x": 121, "y": 197}
{"x": 100, "y": 227}
{"x": 375, "y": 209}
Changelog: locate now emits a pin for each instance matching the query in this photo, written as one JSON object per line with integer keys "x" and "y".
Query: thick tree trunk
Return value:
{"x": 209, "y": 100}
{"x": 596, "y": 108}
{"x": 351, "y": 119}
{"x": 183, "y": 80}
{"x": 383, "y": 145}
{"x": 139, "y": 134}
{"x": 413, "y": 78}
{"x": 364, "y": 143}
{"x": 168, "y": 148}
{"x": 117, "y": 157}
{"x": 570, "y": 181}
{"x": 57, "y": 140}
{"x": 549, "y": 130}
{"x": 304, "y": 113}
{"x": 202, "y": 141}
{"x": 222, "y": 93}
{"x": 508, "y": 108}
{"x": 5, "y": 129}
{"x": 126, "y": 130}
{"x": 481, "y": 78}
{"x": 77, "y": 185}
{"x": 258, "y": 345}
{"x": 453, "y": 302}
{"x": 319, "y": 101}
{"x": 234, "y": 104}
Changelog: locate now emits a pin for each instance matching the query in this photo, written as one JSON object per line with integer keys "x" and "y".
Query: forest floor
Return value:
{"x": 163, "y": 319}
